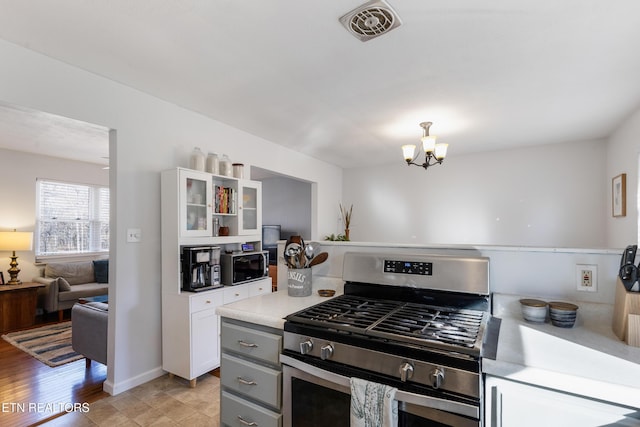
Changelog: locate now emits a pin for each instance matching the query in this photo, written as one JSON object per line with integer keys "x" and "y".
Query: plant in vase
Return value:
{"x": 346, "y": 219}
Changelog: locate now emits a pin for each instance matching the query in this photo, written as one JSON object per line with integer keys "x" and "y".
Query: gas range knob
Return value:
{"x": 406, "y": 372}
{"x": 437, "y": 378}
{"x": 326, "y": 351}
{"x": 306, "y": 346}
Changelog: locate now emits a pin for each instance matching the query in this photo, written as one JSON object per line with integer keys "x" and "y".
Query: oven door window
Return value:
{"x": 313, "y": 405}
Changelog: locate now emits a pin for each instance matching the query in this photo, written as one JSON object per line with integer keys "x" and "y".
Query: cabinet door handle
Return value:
{"x": 246, "y": 382}
{"x": 245, "y": 422}
{"x": 247, "y": 344}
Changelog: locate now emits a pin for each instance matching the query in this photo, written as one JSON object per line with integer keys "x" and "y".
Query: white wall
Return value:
{"x": 622, "y": 157}
{"x": 18, "y": 189}
{"x": 152, "y": 135}
{"x": 551, "y": 196}
{"x": 544, "y": 273}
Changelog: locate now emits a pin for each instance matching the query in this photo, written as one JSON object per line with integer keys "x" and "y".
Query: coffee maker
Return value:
{"x": 200, "y": 268}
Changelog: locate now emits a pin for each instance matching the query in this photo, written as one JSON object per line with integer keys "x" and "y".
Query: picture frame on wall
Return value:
{"x": 619, "y": 195}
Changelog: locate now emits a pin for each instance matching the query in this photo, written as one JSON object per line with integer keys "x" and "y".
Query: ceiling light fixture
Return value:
{"x": 434, "y": 153}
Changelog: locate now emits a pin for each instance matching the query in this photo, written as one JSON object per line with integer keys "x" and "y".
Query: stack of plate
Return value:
{"x": 563, "y": 314}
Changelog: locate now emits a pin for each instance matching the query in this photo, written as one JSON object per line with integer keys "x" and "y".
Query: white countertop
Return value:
{"x": 587, "y": 360}
{"x": 271, "y": 309}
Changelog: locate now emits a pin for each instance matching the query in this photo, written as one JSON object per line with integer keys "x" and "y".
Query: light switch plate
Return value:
{"x": 134, "y": 235}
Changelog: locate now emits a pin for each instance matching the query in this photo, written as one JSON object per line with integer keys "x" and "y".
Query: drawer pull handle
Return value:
{"x": 208, "y": 302}
{"x": 246, "y": 382}
{"x": 247, "y": 344}
{"x": 245, "y": 422}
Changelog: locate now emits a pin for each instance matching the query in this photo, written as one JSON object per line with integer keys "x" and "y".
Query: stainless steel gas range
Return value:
{"x": 419, "y": 323}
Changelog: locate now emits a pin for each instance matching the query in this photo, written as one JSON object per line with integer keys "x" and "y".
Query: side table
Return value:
{"x": 18, "y": 306}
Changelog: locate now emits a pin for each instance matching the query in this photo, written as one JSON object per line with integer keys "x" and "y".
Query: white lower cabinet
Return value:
{"x": 206, "y": 351}
{"x": 510, "y": 403}
{"x": 250, "y": 375}
{"x": 191, "y": 327}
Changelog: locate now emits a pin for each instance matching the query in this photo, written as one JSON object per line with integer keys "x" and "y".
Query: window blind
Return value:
{"x": 71, "y": 218}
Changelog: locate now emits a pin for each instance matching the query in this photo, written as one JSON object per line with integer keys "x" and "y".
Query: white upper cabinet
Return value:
{"x": 195, "y": 203}
{"x": 250, "y": 207}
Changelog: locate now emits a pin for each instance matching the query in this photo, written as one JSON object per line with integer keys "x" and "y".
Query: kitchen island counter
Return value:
{"x": 587, "y": 360}
{"x": 271, "y": 309}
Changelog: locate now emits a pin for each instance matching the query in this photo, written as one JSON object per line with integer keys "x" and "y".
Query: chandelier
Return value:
{"x": 434, "y": 153}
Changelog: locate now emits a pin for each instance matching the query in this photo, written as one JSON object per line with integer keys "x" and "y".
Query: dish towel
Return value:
{"x": 373, "y": 404}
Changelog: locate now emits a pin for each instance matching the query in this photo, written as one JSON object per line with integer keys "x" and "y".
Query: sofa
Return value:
{"x": 67, "y": 282}
{"x": 89, "y": 331}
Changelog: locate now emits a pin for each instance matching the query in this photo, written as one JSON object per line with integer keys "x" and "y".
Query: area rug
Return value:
{"x": 49, "y": 344}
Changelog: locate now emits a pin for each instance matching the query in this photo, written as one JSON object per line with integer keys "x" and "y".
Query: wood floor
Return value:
{"x": 32, "y": 392}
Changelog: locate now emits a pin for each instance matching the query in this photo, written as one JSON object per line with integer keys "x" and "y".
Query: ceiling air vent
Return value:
{"x": 371, "y": 20}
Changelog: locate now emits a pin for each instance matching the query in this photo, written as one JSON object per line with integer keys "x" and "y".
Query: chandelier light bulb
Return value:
{"x": 428, "y": 143}
{"x": 408, "y": 151}
{"x": 441, "y": 151}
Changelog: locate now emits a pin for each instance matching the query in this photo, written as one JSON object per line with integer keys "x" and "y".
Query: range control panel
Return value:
{"x": 408, "y": 267}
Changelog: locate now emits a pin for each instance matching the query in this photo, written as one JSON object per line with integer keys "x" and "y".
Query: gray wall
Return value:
{"x": 287, "y": 202}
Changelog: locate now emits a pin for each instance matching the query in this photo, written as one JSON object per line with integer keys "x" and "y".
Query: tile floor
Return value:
{"x": 161, "y": 402}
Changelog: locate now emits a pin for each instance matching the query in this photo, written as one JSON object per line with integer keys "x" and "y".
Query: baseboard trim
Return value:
{"x": 122, "y": 386}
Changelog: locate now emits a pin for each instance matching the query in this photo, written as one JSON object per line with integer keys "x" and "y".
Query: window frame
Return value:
{"x": 94, "y": 223}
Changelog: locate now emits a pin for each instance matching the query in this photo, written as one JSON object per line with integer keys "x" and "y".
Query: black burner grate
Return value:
{"x": 417, "y": 323}
{"x": 423, "y": 325}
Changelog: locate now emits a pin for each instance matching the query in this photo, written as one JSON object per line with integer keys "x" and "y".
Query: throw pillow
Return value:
{"x": 63, "y": 285}
{"x": 101, "y": 268}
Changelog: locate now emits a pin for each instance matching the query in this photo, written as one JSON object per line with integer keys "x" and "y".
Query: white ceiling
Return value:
{"x": 489, "y": 74}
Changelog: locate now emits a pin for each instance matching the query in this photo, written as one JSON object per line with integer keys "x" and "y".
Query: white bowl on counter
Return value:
{"x": 534, "y": 310}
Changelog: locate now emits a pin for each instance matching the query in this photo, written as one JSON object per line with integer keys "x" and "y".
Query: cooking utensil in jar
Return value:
{"x": 309, "y": 249}
{"x": 319, "y": 259}
{"x": 292, "y": 255}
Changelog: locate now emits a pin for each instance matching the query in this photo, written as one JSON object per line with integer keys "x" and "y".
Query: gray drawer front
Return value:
{"x": 264, "y": 383}
{"x": 235, "y": 409}
{"x": 250, "y": 342}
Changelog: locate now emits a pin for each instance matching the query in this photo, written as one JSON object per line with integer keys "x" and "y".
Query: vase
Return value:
{"x": 346, "y": 234}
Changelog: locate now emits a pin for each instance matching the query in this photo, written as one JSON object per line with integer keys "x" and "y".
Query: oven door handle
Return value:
{"x": 401, "y": 395}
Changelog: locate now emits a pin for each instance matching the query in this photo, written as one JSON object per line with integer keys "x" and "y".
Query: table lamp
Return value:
{"x": 15, "y": 241}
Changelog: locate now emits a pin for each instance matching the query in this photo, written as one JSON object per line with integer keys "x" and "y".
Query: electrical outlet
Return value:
{"x": 587, "y": 277}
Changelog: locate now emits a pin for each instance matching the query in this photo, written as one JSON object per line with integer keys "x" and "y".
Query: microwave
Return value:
{"x": 241, "y": 267}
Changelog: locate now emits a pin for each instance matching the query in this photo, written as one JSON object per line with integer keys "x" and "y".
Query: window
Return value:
{"x": 71, "y": 219}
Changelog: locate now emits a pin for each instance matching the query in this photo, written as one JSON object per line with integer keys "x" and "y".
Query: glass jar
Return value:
{"x": 225, "y": 166}
{"x": 197, "y": 160}
{"x": 213, "y": 163}
{"x": 238, "y": 170}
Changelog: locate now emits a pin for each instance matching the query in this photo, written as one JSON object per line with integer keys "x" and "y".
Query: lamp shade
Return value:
{"x": 407, "y": 151}
{"x": 16, "y": 240}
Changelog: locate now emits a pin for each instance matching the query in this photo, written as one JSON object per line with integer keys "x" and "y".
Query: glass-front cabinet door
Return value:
{"x": 195, "y": 204}
{"x": 250, "y": 207}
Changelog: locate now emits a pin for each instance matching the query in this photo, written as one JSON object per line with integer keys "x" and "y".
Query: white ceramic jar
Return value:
{"x": 197, "y": 160}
